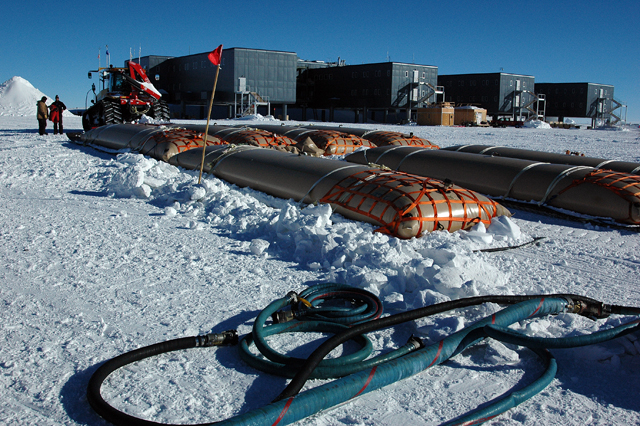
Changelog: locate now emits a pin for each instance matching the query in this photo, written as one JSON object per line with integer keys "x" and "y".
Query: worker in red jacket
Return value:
{"x": 57, "y": 108}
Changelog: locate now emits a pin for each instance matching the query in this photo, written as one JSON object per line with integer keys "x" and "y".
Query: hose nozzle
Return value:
{"x": 226, "y": 338}
{"x": 596, "y": 310}
{"x": 283, "y": 316}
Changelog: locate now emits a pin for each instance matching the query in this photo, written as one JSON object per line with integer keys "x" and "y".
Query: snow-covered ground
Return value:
{"x": 103, "y": 254}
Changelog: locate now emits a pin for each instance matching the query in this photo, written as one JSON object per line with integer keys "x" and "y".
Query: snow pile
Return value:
{"x": 145, "y": 119}
{"x": 414, "y": 272}
{"x": 257, "y": 117}
{"x": 537, "y": 124}
{"x": 18, "y": 97}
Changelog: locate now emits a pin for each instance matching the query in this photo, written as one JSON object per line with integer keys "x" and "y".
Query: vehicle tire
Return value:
{"x": 90, "y": 118}
{"x": 86, "y": 121}
{"x": 160, "y": 111}
{"x": 111, "y": 112}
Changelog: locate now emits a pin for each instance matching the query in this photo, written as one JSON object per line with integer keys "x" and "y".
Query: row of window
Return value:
{"x": 473, "y": 83}
{"x": 195, "y": 65}
{"x": 367, "y": 74}
{"x": 462, "y": 98}
{"x": 365, "y": 92}
{"x": 564, "y": 105}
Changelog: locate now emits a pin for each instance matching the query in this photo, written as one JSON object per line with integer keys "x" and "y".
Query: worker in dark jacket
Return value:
{"x": 43, "y": 114}
{"x": 57, "y": 108}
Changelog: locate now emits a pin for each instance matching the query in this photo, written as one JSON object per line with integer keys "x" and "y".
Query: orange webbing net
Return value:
{"x": 184, "y": 139}
{"x": 408, "y": 205}
{"x": 335, "y": 143}
{"x": 380, "y": 138}
{"x": 261, "y": 138}
{"x": 624, "y": 185}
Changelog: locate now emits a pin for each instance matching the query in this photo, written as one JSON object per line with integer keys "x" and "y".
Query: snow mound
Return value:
{"x": 257, "y": 117}
{"x": 537, "y": 124}
{"x": 411, "y": 272}
{"x": 18, "y": 98}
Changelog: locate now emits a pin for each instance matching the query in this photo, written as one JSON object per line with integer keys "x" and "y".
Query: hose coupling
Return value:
{"x": 283, "y": 316}
{"x": 416, "y": 342}
{"x": 293, "y": 297}
{"x": 596, "y": 310}
{"x": 226, "y": 338}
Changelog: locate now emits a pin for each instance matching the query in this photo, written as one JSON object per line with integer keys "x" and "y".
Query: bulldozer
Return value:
{"x": 127, "y": 94}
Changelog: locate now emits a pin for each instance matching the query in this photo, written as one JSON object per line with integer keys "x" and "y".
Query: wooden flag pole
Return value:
{"x": 206, "y": 131}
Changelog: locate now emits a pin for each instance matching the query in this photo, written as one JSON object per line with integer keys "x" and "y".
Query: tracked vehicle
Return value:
{"x": 126, "y": 94}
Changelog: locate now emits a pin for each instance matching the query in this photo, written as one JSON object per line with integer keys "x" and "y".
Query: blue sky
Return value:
{"x": 54, "y": 44}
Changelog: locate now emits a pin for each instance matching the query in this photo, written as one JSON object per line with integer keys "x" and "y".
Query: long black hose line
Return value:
{"x": 581, "y": 305}
{"x": 95, "y": 383}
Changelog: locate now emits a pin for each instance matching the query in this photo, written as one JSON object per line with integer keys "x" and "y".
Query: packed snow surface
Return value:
{"x": 104, "y": 253}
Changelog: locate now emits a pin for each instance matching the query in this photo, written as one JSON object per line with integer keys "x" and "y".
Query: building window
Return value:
{"x": 388, "y": 73}
{"x": 195, "y": 65}
{"x": 406, "y": 73}
{"x": 354, "y": 75}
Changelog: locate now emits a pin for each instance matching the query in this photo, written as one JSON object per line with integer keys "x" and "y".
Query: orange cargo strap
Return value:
{"x": 344, "y": 143}
{"x": 183, "y": 139}
{"x": 382, "y": 138}
{"x": 260, "y": 138}
{"x": 623, "y": 184}
{"x": 376, "y": 187}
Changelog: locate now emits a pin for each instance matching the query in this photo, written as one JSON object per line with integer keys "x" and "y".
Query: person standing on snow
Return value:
{"x": 57, "y": 108}
{"x": 42, "y": 115}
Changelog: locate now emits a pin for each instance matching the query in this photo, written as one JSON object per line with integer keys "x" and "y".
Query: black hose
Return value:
{"x": 293, "y": 388}
{"x": 577, "y": 304}
{"x": 117, "y": 417}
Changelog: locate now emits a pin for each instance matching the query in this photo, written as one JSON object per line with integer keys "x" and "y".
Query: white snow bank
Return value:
{"x": 350, "y": 252}
{"x": 537, "y": 124}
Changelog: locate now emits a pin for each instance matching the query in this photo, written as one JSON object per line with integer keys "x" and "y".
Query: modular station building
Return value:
{"x": 386, "y": 91}
{"x": 587, "y": 100}
{"x": 250, "y": 80}
{"x": 279, "y": 83}
{"x": 509, "y": 96}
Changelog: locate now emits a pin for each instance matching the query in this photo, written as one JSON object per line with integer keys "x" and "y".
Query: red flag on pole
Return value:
{"x": 214, "y": 56}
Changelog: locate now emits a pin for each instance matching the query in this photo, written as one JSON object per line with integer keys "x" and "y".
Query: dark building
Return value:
{"x": 375, "y": 90}
{"x": 501, "y": 94}
{"x": 248, "y": 78}
{"x": 581, "y": 100}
